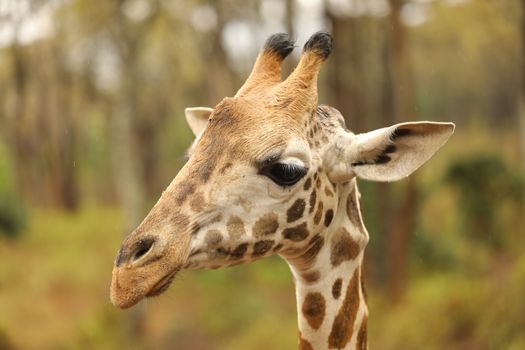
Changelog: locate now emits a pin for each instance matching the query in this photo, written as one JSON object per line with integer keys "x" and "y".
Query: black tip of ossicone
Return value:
{"x": 320, "y": 43}
{"x": 280, "y": 44}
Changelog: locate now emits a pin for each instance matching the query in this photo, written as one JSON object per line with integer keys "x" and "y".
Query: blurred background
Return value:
{"x": 92, "y": 130}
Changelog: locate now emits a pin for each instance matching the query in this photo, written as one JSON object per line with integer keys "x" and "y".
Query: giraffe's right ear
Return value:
{"x": 197, "y": 118}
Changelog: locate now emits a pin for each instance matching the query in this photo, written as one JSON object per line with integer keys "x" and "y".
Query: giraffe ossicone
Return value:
{"x": 273, "y": 172}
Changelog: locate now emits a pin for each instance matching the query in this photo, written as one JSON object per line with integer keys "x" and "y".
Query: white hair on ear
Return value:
{"x": 197, "y": 118}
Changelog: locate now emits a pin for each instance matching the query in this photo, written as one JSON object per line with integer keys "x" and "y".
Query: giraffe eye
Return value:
{"x": 284, "y": 174}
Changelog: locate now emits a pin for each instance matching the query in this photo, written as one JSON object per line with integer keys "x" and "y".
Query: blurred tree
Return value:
{"x": 483, "y": 185}
{"x": 521, "y": 99}
{"x": 399, "y": 95}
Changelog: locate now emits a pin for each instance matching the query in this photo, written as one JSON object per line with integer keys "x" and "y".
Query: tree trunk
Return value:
{"x": 347, "y": 82}
{"x": 402, "y": 220}
{"x": 521, "y": 96}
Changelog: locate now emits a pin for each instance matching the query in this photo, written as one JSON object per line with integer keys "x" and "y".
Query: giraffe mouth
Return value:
{"x": 162, "y": 285}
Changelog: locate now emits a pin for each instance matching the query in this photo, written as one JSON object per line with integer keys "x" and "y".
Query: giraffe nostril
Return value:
{"x": 142, "y": 247}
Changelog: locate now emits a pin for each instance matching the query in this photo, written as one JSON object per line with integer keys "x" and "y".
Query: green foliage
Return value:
{"x": 483, "y": 184}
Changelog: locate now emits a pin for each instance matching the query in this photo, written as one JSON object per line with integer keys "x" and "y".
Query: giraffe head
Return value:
{"x": 263, "y": 176}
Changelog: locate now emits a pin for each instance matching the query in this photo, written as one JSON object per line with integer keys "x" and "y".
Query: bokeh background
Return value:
{"x": 92, "y": 130}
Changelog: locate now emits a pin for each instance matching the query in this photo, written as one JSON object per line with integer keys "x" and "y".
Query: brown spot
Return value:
{"x": 352, "y": 209}
{"x": 328, "y": 217}
{"x": 343, "y": 325}
{"x": 307, "y": 184}
{"x": 221, "y": 252}
{"x": 215, "y": 219}
{"x": 307, "y": 258}
{"x": 336, "y": 288}
{"x": 184, "y": 189}
{"x": 343, "y": 247}
{"x": 262, "y": 247}
{"x": 314, "y": 309}
{"x": 265, "y": 225}
{"x": 238, "y": 252}
{"x": 195, "y": 227}
{"x": 318, "y": 213}
{"x": 362, "y": 334}
{"x": 295, "y": 212}
{"x": 313, "y": 198}
{"x": 363, "y": 289}
{"x": 225, "y": 167}
{"x": 304, "y": 344}
{"x": 197, "y": 202}
{"x": 296, "y": 233}
{"x": 328, "y": 191}
{"x": 318, "y": 183}
{"x": 277, "y": 247}
{"x": 213, "y": 237}
{"x": 311, "y": 277}
{"x": 235, "y": 227}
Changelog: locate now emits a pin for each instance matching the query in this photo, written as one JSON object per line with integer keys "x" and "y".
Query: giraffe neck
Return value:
{"x": 331, "y": 305}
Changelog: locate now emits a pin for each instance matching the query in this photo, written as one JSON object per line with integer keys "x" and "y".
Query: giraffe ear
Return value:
{"x": 392, "y": 153}
{"x": 197, "y": 118}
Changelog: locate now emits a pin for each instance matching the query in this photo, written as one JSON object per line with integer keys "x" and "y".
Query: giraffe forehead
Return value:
{"x": 236, "y": 133}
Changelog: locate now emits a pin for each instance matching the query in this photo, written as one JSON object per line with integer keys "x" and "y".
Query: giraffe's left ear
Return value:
{"x": 197, "y": 118}
{"x": 392, "y": 153}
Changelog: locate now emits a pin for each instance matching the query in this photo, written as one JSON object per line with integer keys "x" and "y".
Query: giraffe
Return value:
{"x": 273, "y": 172}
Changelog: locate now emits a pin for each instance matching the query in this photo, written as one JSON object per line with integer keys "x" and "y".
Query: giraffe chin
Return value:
{"x": 127, "y": 292}
{"x": 162, "y": 285}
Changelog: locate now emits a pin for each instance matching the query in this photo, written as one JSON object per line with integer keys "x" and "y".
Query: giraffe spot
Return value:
{"x": 314, "y": 309}
{"x": 304, "y": 344}
{"x": 197, "y": 202}
{"x": 215, "y": 219}
{"x": 262, "y": 247}
{"x": 235, "y": 227}
{"x": 213, "y": 238}
{"x": 352, "y": 210}
{"x": 343, "y": 247}
{"x": 277, "y": 247}
{"x": 328, "y": 217}
{"x": 363, "y": 289}
{"x": 336, "y": 288}
{"x": 318, "y": 214}
{"x": 295, "y": 212}
{"x": 296, "y": 233}
{"x": 225, "y": 167}
{"x": 306, "y": 259}
{"x": 313, "y": 198}
{"x": 265, "y": 225}
{"x": 307, "y": 184}
{"x": 183, "y": 191}
{"x": 362, "y": 335}
{"x": 239, "y": 251}
{"x": 311, "y": 277}
{"x": 343, "y": 325}
{"x": 195, "y": 227}
{"x": 221, "y": 253}
{"x": 328, "y": 191}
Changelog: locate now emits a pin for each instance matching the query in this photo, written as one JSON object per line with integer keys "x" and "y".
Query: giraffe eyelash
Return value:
{"x": 284, "y": 174}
